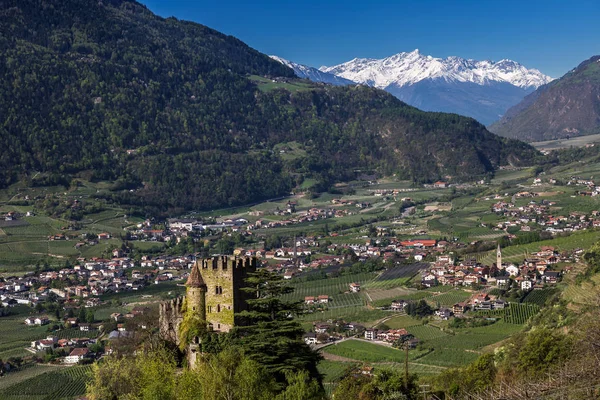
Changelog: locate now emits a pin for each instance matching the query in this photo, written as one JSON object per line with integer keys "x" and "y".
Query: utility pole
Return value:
{"x": 406, "y": 366}
{"x": 295, "y": 252}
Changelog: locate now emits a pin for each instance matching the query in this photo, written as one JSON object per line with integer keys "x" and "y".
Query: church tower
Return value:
{"x": 499, "y": 257}
{"x": 196, "y": 293}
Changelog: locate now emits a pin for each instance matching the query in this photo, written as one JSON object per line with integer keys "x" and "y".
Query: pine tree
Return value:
{"x": 270, "y": 335}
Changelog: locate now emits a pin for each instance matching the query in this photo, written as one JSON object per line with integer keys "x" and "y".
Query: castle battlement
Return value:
{"x": 225, "y": 263}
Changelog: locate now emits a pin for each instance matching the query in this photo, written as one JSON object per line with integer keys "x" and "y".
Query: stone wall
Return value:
{"x": 170, "y": 316}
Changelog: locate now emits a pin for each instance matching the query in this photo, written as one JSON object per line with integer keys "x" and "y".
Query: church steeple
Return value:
{"x": 499, "y": 257}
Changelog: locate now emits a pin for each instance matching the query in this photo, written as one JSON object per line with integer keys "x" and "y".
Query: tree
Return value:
{"x": 271, "y": 336}
{"x": 542, "y": 349}
{"x": 385, "y": 384}
{"x": 89, "y": 316}
{"x": 301, "y": 387}
{"x": 230, "y": 375}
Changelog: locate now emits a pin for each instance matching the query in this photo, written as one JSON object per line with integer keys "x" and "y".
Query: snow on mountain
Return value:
{"x": 306, "y": 72}
{"x": 483, "y": 90}
{"x": 409, "y": 68}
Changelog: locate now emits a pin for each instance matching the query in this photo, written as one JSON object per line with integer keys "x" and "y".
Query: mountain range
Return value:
{"x": 483, "y": 90}
{"x": 178, "y": 116}
{"x": 566, "y": 107}
{"x": 313, "y": 74}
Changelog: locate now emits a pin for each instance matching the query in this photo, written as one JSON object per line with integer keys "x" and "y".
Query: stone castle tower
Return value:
{"x": 213, "y": 291}
{"x": 499, "y": 258}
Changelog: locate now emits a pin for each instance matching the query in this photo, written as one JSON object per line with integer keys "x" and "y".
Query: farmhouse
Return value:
{"x": 354, "y": 287}
{"x": 77, "y": 355}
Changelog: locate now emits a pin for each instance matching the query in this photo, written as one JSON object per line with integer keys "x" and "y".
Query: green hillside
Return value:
{"x": 174, "y": 114}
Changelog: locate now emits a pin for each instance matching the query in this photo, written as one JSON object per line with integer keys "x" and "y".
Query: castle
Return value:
{"x": 213, "y": 293}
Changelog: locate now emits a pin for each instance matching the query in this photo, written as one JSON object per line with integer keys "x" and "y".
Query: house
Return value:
{"x": 30, "y": 321}
{"x": 309, "y": 300}
{"x": 551, "y": 276}
{"x": 354, "y": 287}
{"x": 526, "y": 284}
{"x": 366, "y": 370}
{"x": 398, "y": 305}
{"x": 484, "y": 305}
{"x": 371, "y": 334}
{"x": 322, "y": 328}
{"x": 499, "y": 304}
{"x": 310, "y": 338}
{"x": 444, "y": 313}
{"x": 323, "y": 299}
{"x": 41, "y": 321}
{"x": 459, "y": 308}
{"x": 77, "y": 355}
{"x": 512, "y": 270}
{"x": 502, "y": 280}
{"x": 116, "y": 316}
{"x": 84, "y": 327}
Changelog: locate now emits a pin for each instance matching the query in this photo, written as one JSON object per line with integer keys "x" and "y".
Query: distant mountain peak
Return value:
{"x": 408, "y": 68}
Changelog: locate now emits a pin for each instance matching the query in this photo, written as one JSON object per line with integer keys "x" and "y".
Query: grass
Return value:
{"x": 402, "y": 321}
{"x": 365, "y": 351}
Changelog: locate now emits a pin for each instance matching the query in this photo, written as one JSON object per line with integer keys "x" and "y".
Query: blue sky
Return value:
{"x": 552, "y": 36}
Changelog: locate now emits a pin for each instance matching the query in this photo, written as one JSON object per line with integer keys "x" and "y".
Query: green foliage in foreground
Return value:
{"x": 228, "y": 375}
{"x": 384, "y": 384}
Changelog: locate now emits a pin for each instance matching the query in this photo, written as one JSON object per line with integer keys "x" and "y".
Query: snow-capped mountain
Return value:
{"x": 306, "y": 72}
{"x": 480, "y": 89}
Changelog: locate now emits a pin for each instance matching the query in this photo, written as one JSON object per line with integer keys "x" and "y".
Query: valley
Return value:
{"x": 183, "y": 217}
{"x": 373, "y": 224}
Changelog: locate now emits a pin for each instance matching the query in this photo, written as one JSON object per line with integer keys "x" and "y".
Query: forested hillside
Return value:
{"x": 566, "y": 107}
{"x": 173, "y": 113}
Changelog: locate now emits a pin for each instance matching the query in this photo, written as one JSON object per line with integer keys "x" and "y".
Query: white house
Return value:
{"x": 512, "y": 270}
{"x": 77, "y": 355}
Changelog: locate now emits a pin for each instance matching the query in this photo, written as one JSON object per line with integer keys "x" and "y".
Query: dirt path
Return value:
{"x": 333, "y": 357}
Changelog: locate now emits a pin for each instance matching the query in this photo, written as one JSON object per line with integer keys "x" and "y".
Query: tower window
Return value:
{"x": 209, "y": 309}
{"x": 218, "y": 308}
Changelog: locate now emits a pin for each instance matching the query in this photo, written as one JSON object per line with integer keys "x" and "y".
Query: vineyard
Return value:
{"x": 539, "y": 297}
{"x": 516, "y": 313}
{"x": 58, "y": 384}
{"x": 336, "y": 288}
{"x": 449, "y": 298}
{"x": 425, "y": 332}
{"x": 396, "y": 276}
